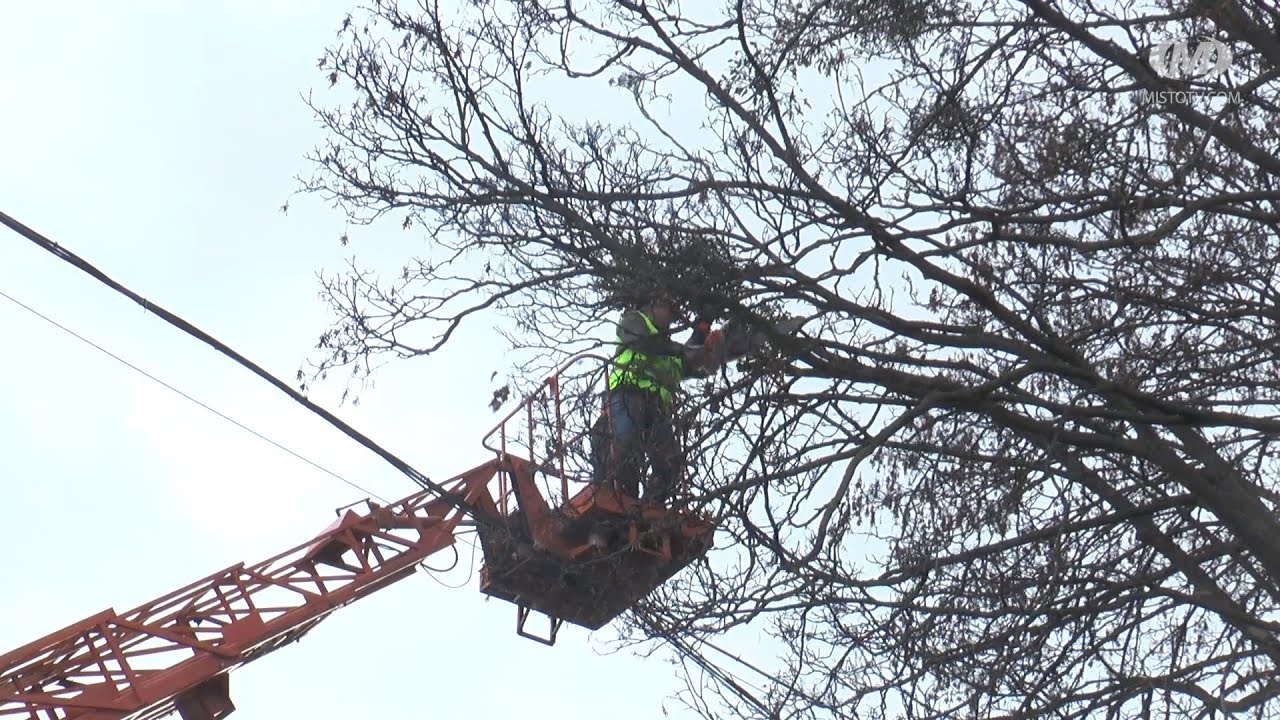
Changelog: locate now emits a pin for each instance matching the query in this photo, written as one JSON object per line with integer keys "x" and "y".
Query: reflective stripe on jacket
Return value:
{"x": 655, "y": 373}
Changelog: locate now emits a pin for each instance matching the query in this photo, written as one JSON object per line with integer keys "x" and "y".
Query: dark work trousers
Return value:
{"x": 640, "y": 427}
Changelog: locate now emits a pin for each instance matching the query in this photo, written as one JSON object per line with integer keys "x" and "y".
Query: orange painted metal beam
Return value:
{"x": 173, "y": 653}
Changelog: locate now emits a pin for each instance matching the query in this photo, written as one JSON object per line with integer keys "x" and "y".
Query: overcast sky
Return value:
{"x": 158, "y": 140}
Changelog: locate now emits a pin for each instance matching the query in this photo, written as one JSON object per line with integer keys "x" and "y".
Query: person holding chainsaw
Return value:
{"x": 648, "y": 367}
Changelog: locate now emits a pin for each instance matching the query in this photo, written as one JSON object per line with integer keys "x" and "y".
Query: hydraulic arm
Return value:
{"x": 175, "y": 652}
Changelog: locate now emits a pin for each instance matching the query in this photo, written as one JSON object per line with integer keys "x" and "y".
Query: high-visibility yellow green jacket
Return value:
{"x": 648, "y": 359}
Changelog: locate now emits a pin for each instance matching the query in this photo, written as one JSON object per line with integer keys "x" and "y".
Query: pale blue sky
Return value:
{"x": 158, "y": 140}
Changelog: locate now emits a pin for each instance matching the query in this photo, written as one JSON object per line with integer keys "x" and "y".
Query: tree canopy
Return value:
{"x": 1020, "y": 460}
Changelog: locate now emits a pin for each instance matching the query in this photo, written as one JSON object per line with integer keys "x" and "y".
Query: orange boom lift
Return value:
{"x": 175, "y": 653}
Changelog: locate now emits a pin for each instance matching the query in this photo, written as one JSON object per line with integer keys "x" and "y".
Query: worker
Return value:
{"x": 637, "y": 422}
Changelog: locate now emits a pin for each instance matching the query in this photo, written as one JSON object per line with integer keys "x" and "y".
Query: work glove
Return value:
{"x": 701, "y": 327}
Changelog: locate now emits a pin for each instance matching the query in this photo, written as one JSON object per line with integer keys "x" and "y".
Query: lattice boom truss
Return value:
{"x": 174, "y": 653}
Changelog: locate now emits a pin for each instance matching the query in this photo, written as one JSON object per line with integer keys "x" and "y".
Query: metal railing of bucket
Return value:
{"x": 551, "y": 426}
